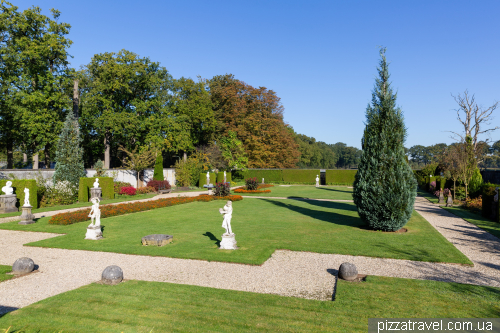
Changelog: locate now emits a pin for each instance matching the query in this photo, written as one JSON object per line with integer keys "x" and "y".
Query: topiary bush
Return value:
{"x": 220, "y": 177}
{"x": 251, "y": 184}
{"x": 384, "y": 187}
{"x": 158, "y": 173}
{"x": 203, "y": 178}
{"x": 475, "y": 184}
{"x": 106, "y": 184}
{"x": 159, "y": 184}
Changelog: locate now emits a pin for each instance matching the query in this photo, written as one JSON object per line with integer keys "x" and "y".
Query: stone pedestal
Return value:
{"x": 26, "y": 216}
{"x": 317, "y": 183}
{"x": 94, "y": 233}
{"x": 95, "y": 193}
{"x": 228, "y": 242}
{"x": 8, "y": 203}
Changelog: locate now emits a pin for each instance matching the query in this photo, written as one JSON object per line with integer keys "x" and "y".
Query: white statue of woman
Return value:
{"x": 227, "y": 211}
{"x": 95, "y": 213}
{"x": 27, "y": 197}
{"x": 7, "y": 189}
{"x": 96, "y": 183}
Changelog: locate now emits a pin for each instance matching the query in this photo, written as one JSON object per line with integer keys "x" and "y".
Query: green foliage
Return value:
{"x": 158, "y": 173}
{"x": 270, "y": 176}
{"x": 315, "y": 154}
{"x": 61, "y": 193}
{"x": 220, "y": 177}
{"x": 233, "y": 151}
{"x": 203, "y": 178}
{"x": 106, "y": 184}
{"x": 430, "y": 169}
{"x": 340, "y": 177}
{"x": 302, "y": 176}
{"x": 475, "y": 183}
{"x": 19, "y": 185}
{"x": 187, "y": 172}
{"x": 99, "y": 168}
{"x": 487, "y": 194}
{"x": 69, "y": 163}
{"x": 384, "y": 187}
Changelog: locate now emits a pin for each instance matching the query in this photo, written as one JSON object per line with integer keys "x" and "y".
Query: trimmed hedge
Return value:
{"x": 203, "y": 178}
{"x": 106, "y": 184}
{"x": 270, "y": 176}
{"x": 19, "y": 185}
{"x": 133, "y": 207}
{"x": 220, "y": 177}
{"x": 487, "y": 194}
{"x": 303, "y": 176}
{"x": 340, "y": 177}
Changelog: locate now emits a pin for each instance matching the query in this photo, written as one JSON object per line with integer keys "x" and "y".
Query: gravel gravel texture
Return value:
{"x": 287, "y": 273}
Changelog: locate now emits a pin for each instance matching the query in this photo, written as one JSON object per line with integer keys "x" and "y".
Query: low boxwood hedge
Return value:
{"x": 340, "y": 177}
{"x": 303, "y": 176}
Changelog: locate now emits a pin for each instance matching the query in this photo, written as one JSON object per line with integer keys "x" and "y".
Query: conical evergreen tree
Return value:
{"x": 158, "y": 173}
{"x": 69, "y": 154}
{"x": 385, "y": 187}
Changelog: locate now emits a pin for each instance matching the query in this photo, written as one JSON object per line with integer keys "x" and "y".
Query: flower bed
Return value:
{"x": 264, "y": 186}
{"x": 240, "y": 190}
{"x": 133, "y": 207}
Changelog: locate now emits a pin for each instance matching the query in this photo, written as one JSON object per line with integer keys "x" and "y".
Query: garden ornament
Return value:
{"x": 227, "y": 211}
{"x": 27, "y": 197}
{"x": 7, "y": 189}
{"x": 95, "y": 213}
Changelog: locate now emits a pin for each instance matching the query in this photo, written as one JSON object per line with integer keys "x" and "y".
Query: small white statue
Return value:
{"x": 224, "y": 176}
{"x": 317, "y": 181}
{"x": 7, "y": 189}
{"x": 95, "y": 213}
{"x": 27, "y": 197}
{"x": 227, "y": 211}
{"x": 96, "y": 183}
{"x": 208, "y": 177}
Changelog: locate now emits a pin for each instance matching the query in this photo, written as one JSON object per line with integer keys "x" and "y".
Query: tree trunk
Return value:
{"x": 453, "y": 197}
{"x": 10, "y": 154}
{"x": 465, "y": 192}
{"x": 25, "y": 158}
{"x": 35, "y": 161}
{"x": 185, "y": 157}
{"x": 107, "y": 150}
{"x": 76, "y": 99}
{"x": 47, "y": 156}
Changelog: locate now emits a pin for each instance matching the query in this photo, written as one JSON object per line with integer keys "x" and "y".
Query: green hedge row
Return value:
{"x": 220, "y": 177}
{"x": 488, "y": 192}
{"x": 340, "y": 177}
{"x": 203, "y": 178}
{"x": 106, "y": 184}
{"x": 270, "y": 176}
{"x": 19, "y": 185}
{"x": 300, "y": 176}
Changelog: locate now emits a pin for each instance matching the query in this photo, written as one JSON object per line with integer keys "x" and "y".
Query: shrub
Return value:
{"x": 432, "y": 186}
{"x": 106, "y": 184}
{"x": 159, "y": 184}
{"x": 475, "y": 183}
{"x": 188, "y": 173}
{"x": 132, "y": 207}
{"x": 222, "y": 189}
{"x": 459, "y": 193}
{"x": 158, "y": 173}
{"x": 146, "y": 189}
{"x": 251, "y": 184}
{"x": 384, "y": 187}
{"x": 99, "y": 169}
{"x": 128, "y": 190}
{"x": 475, "y": 205}
{"x": 63, "y": 193}
{"x": 118, "y": 185}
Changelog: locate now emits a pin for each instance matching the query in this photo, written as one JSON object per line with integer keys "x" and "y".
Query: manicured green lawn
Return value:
{"x": 428, "y": 196}
{"x": 3, "y": 270}
{"x": 261, "y": 226}
{"x": 312, "y": 192}
{"x": 85, "y": 204}
{"x": 139, "y": 306}
{"x": 478, "y": 220}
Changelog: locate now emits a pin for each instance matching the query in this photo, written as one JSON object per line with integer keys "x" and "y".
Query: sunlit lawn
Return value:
{"x": 139, "y": 306}
{"x": 323, "y": 192}
{"x": 261, "y": 226}
{"x": 3, "y": 273}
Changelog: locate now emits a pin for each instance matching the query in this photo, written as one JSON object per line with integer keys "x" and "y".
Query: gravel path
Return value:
{"x": 299, "y": 274}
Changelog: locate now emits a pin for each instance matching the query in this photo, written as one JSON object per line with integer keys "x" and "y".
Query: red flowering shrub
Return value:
{"x": 128, "y": 190}
{"x": 159, "y": 184}
{"x": 118, "y": 185}
{"x": 133, "y": 207}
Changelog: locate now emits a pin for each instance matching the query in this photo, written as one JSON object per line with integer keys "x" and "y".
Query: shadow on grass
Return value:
{"x": 330, "y": 217}
{"x": 212, "y": 237}
{"x": 6, "y": 309}
{"x": 334, "y": 190}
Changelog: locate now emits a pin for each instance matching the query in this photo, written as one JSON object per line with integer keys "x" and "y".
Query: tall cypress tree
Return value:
{"x": 385, "y": 187}
{"x": 158, "y": 173}
{"x": 69, "y": 154}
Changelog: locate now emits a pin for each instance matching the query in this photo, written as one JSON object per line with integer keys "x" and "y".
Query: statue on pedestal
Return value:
{"x": 94, "y": 229}
{"x": 7, "y": 189}
{"x": 27, "y": 197}
{"x": 208, "y": 177}
{"x": 228, "y": 238}
{"x": 317, "y": 181}
{"x": 96, "y": 183}
{"x": 8, "y": 200}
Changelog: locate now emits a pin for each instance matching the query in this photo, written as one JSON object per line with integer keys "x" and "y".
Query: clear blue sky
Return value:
{"x": 320, "y": 57}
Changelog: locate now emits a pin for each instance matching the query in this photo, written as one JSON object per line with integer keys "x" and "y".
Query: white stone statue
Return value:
{"x": 208, "y": 177}
{"x": 227, "y": 211}
{"x": 7, "y": 189}
{"x": 96, "y": 183}
{"x": 224, "y": 176}
{"x": 317, "y": 181}
{"x": 95, "y": 213}
{"x": 27, "y": 197}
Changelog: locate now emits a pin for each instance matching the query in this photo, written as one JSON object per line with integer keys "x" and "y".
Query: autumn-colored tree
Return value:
{"x": 256, "y": 115}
